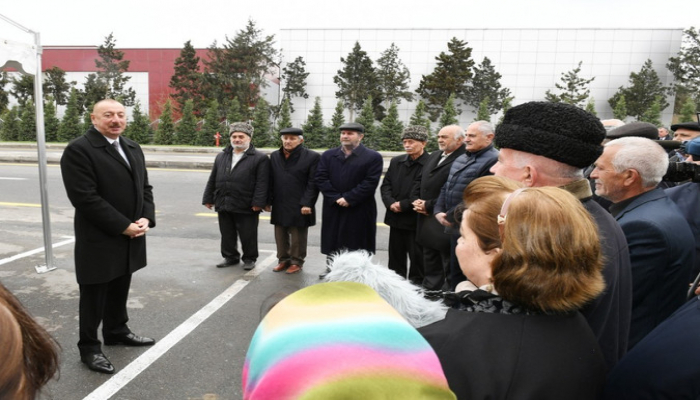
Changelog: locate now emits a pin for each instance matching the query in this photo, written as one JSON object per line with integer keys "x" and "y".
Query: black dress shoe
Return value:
{"x": 98, "y": 362}
{"x": 131, "y": 339}
{"x": 248, "y": 265}
{"x": 227, "y": 263}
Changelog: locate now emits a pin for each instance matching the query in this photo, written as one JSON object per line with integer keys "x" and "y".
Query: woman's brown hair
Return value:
{"x": 550, "y": 258}
{"x": 28, "y": 354}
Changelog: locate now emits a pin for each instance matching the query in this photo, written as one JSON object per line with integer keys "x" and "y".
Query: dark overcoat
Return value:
{"x": 292, "y": 186}
{"x": 238, "y": 190}
{"x": 108, "y": 196}
{"x": 429, "y": 231}
{"x": 517, "y": 356}
{"x": 687, "y": 198}
{"x": 354, "y": 178}
{"x": 662, "y": 252}
{"x": 399, "y": 181}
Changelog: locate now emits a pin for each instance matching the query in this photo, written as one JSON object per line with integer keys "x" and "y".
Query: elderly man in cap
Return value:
{"x": 396, "y": 190}
{"x": 238, "y": 190}
{"x": 475, "y": 162}
{"x": 685, "y": 131}
{"x": 293, "y": 195}
{"x": 549, "y": 144}
{"x": 660, "y": 241}
{"x": 348, "y": 177}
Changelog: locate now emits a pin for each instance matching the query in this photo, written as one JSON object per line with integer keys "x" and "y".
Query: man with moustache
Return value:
{"x": 430, "y": 234}
{"x": 396, "y": 190}
{"x": 348, "y": 176}
{"x": 106, "y": 181}
{"x": 478, "y": 159}
{"x": 238, "y": 190}
{"x": 293, "y": 195}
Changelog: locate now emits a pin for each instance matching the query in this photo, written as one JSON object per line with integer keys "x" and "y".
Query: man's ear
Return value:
{"x": 529, "y": 176}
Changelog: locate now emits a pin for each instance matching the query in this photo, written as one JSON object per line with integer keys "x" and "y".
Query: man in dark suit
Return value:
{"x": 106, "y": 181}
{"x": 660, "y": 241}
{"x": 430, "y": 234}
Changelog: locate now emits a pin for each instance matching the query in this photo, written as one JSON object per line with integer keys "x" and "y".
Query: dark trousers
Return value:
{"x": 233, "y": 225}
{"x": 291, "y": 244}
{"x": 456, "y": 275}
{"x": 106, "y": 303}
{"x": 402, "y": 248}
{"x": 436, "y": 268}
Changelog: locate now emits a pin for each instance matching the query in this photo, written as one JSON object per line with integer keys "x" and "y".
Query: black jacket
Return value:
{"x": 240, "y": 189}
{"x": 399, "y": 181}
{"x": 292, "y": 186}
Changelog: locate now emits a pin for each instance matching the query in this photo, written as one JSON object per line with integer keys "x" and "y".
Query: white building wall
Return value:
{"x": 530, "y": 60}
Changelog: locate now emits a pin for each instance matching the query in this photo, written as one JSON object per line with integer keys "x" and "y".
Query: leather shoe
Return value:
{"x": 280, "y": 267}
{"x": 293, "y": 269}
{"x": 131, "y": 339}
{"x": 98, "y": 362}
{"x": 227, "y": 263}
{"x": 248, "y": 265}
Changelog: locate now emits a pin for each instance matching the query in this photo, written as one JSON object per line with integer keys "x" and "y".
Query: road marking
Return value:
{"x": 20, "y": 205}
{"x": 208, "y": 214}
{"x": 131, "y": 371}
{"x": 3, "y": 178}
{"x": 35, "y": 251}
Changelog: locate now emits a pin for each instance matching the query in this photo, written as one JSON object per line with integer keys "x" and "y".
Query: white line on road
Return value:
{"x": 121, "y": 379}
{"x": 35, "y": 251}
{"x": 2, "y": 178}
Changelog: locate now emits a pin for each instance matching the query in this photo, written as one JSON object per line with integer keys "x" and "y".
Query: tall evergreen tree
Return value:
{"x": 11, "y": 126}
{"x": 357, "y": 81}
{"x": 285, "y": 119}
{"x": 28, "y": 124}
{"x": 51, "y": 122}
{"x": 211, "y": 125}
{"x": 234, "y": 113}
{"x": 366, "y": 118}
{"x": 390, "y": 131}
{"x": 23, "y": 88}
{"x": 239, "y": 68}
{"x": 507, "y": 104}
{"x": 486, "y": 84}
{"x": 686, "y": 69}
{"x": 110, "y": 80}
{"x": 620, "y": 108}
{"x": 4, "y": 93}
{"x": 449, "y": 113}
{"x": 393, "y": 77}
{"x": 450, "y": 77}
{"x": 314, "y": 131}
{"x": 420, "y": 117}
{"x": 653, "y": 114}
{"x": 262, "y": 124}
{"x": 139, "y": 129}
{"x": 165, "y": 133}
{"x": 645, "y": 88}
{"x": 87, "y": 121}
{"x": 71, "y": 126}
{"x": 186, "y": 82}
{"x": 590, "y": 106}
{"x": 338, "y": 119}
{"x": 483, "y": 113}
{"x": 186, "y": 130}
{"x": 294, "y": 79}
{"x": 574, "y": 89}
{"x": 56, "y": 86}
{"x": 688, "y": 111}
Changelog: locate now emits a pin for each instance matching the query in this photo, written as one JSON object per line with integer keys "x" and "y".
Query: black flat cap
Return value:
{"x": 636, "y": 128}
{"x": 291, "y": 131}
{"x": 691, "y": 126}
{"x": 352, "y": 126}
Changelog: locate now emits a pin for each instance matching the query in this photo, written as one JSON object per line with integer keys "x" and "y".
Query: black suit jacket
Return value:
{"x": 429, "y": 232}
{"x": 108, "y": 195}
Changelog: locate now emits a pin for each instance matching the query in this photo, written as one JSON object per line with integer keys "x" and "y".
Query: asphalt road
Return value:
{"x": 202, "y": 317}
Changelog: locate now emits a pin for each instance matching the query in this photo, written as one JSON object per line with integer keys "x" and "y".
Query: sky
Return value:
{"x": 169, "y": 24}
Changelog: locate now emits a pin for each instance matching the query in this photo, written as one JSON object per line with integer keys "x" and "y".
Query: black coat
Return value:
{"x": 292, "y": 187}
{"x": 517, "y": 356}
{"x": 238, "y": 190}
{"x": 429, "y": 231}
{"x": 399, "y": 181}
{"x": 354, "y": 178}
{"x": 108, "y": 196}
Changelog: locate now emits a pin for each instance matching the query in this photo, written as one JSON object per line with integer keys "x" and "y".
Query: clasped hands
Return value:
{"x": 138, "y": 228}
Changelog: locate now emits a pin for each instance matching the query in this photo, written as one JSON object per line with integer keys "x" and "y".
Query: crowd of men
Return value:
{"x": 649, "y": 228}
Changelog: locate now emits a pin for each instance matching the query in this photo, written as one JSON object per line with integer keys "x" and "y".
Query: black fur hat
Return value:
{"x": 559, "y": 131}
